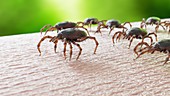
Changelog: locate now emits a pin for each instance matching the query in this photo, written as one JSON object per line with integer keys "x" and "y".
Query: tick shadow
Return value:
{"x": 89, "y": 68}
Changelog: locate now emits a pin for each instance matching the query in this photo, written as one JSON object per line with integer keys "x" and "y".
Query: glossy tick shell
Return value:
{"x": 113, "y": 23}
{"x": 153, "y": 20}
{"x": 64, "y": 25}
{"x": 90, "y": 20}
{"x": 71, "y": 34}
{"x": 136, "y": 31}
{"x": 162, "y": 45}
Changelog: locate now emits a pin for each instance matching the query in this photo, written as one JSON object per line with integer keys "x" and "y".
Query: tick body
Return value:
{"x": 135, "y": 32}
{"x": 111, "y": 24}
{"x": 90, "y": 21}
{"x": 161, "y": 46}
{"x": 69, "y": 36}
{"x": 152, "y": 21}
{"x": 61, "y": 26}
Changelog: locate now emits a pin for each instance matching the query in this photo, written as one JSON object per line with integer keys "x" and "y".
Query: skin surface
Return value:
{"x": 110, "y": 72}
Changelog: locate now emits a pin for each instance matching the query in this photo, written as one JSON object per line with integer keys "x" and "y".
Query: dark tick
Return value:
{"x": 69, "y": 36}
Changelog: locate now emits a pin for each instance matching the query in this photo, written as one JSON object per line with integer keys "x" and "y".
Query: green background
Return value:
{"x": 28, "y": 16}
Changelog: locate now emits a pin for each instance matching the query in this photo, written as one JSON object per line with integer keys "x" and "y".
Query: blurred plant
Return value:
{"x": 26, "y": 16}
{"x": 23, "y": 16}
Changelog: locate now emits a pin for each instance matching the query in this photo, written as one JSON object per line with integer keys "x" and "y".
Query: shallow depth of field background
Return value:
{"x": 28, "y": 16}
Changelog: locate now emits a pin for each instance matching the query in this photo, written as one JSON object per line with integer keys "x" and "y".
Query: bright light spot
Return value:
{"x": 67, "y": 8}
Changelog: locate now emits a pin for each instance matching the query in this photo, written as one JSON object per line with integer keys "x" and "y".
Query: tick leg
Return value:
{"x": 149, "y": 38}
{"x": 157, "y": 26}
{"x": 90, "y": 24}
{"x": 141, "y": 43}
{"x": 39, "y": 44}
{"x": 48, "y": 25}
{"x": 163, "y": 27}
{"x": 128, "y": 23}
{"x": 111, "y": 30}
{"x": 99, "y": 27}
{"x": 55, "y": 46}
{"x": 131, "y": 40}
{"x": 65, "y": 45}
{"x": 143, "y": 23}
{"x": 50, "y": 29}
{"x": 167, "y": 58}
{"x": 79, "y": 48}
{"x": 70, "y": 50}
{"x": 146, "y": 51}
{"x": 153, "y": 33}
{"x": 90, "y": 37}
{"x": 118, "y": 37}
{"x": 55, "y": 41}
{"x": 142, "y": 53}
{"x": 119, "y": 32}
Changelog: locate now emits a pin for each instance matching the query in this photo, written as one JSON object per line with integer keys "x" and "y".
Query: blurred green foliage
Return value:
{"x": 27, "y": 16}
